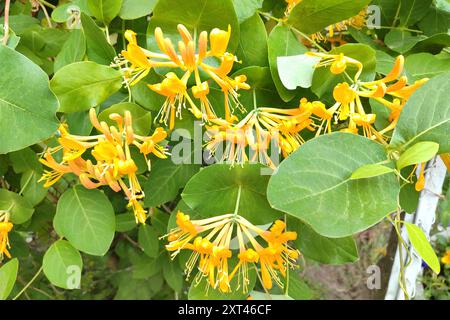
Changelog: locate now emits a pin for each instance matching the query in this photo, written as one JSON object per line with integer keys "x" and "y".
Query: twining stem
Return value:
{"x": 48, "y": 4}
{"x": 29, "y": 283}
{"x": 6, "y": 22}
{"x": 309, "y": 39}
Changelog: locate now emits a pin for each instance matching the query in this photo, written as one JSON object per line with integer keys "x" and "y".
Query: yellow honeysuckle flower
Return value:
{"x": 113, "y": 164}
{"x": 5, "y": 228}
{"x": 212, "y": 251}
{"x": 348, "y": 106}
{"x": 191, "y": 59}
{"x": 446, "y": 258}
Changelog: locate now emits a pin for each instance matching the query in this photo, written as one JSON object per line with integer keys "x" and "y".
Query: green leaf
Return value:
{"x": 252, "y": 48}
{"x": 79, "y": 123}
{"x": 314, "y": 185}
{"x": 8, "y": 275}
{"x": 296, "y": 71}
{"x": 165, "y": 181}
{"x": 435, "y": 21}
{"x": 425, "y": 116}
{"x": 82, "y": 85}
{"x": 246, "y": 8}
{"x": 370, "y": 171}
{"x": 142, "y": 119}
{"x": 422, "y": 246}
{"x": 148, "y": 240}
{"x": 125, "y": 222}
{"x": 323, "y": 249}
{"x": 198, "y": 15}
{"x": 21, "y": 23}
{"x": 433, "y": 44}
{"x": 32, "y": 190}
{"x": 148, "y": 99}
{"x": 59, "y": 263}
{"x": 20, "y": 209}
{"x": 282, "y": 42}
{"x": 409, "y": 198}
{"x": 173, "y": 275}
{"x": 310, "y": 16}
{"x": 298, "y": 289}
{"x": 418, "y": 153}
{"x": 104, "y": 10}
{"x": 25, "y": 102}
{"x": 13, "y": 39}
{"x": 85, "y": 218}
{"x": 214, "y": 191}
{"x": 73, "y": 50}
{"x": 98, "y": 49}
{"x": 24, "y": 160}
{"x": 64, "y": 12}
{"x": 401, "y": 41}
{"x": 411, "y": 11}
{"x": 134, "y": 9}
{"x": 425, "y": 65}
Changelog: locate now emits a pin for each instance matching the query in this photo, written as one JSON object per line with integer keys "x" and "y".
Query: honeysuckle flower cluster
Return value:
{"x": 392, "y": 91}
{"x": 209, "y": 240}
{"x": 112, "y": 162}
{"x": 194, "y": 59}
{"x": 255, "y": 134}
{"x": 5, "y": 227}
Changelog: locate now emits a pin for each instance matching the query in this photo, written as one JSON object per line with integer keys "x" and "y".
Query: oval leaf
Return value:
{"x": 86, "y": 218}
{"x": 82, "y": 85}
{"x": 423, "y": 247}
{"x": 214, "y": 191}
{"x": 425, "y": 116}
{"x": 8, "y": 275}
{"x": 314, "y": 184}
{"x": 25, "y": 102}
{"x": 60, "y": 263}
{"x": 370, "y": 171}
{"x": 418, "y": 153}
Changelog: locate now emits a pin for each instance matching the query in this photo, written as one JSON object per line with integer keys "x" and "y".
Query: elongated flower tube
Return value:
{"x": 192, "y": 59}
{"x": 209, "y": 240}
{"x": 111, "y": 163}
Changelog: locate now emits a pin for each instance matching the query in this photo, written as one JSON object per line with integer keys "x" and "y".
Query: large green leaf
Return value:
{"x": 310, "y": 16}
{"x": 19, "y": 208}
{"x": 246, "y": 8}
{"x": 214, "y": 191}
{"x": 425, "y": 65}
{"x": 196, "y": 15}
{"x": 323, "y": 249}
{"x": 422, "y": 246}
{"x": 315, "y": 185}
{"x": 73, "y": 50}
{"x": 8, "y": 275}
{"x": 82, "y": 85}
{"x": 282, "y": 42}
{"x": 25, "y": 102}
{"x": 98, "y": 49}
{"x": 133, "y": 9}
{"x": 252, "y": 48}
{"x": 32, "y": 190}
{"x": 411, "y": 11}
{"x": 86, "y": 218}
{"x": 60, "y": 263}
{"x": 104, "y": 10}
{"x": 426, "y": 116}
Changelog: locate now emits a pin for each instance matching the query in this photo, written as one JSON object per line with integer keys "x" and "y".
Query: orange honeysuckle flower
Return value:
{"x": 192, "y": 59}
{"x": 5, "y": 228}
{"x": 111, "y": 164}
{"x": 210, "y": 239}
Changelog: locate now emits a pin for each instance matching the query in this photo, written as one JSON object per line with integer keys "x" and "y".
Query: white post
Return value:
{"x": 424, "y": 217}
